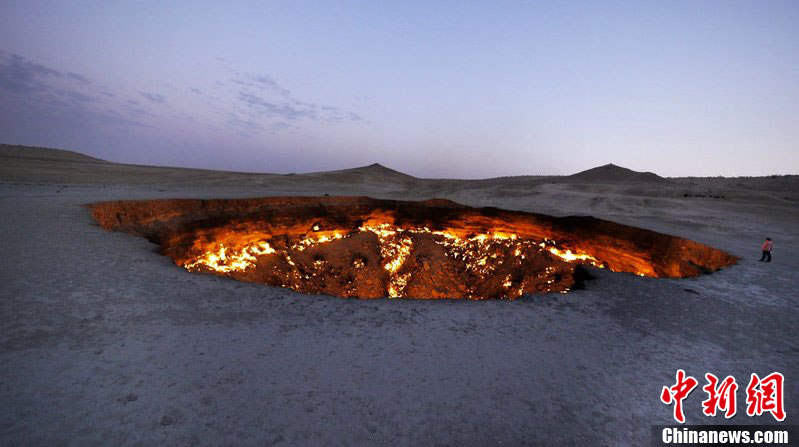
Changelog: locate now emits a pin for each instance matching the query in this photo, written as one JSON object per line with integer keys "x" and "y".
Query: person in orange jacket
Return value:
{"x": 767, "y": 246}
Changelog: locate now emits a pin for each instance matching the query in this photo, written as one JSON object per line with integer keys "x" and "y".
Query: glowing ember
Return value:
{"x": 567, "y": 255}
{"x": 224, "y": 260}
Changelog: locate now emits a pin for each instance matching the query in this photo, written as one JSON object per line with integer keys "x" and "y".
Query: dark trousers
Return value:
{"x": 766, "y": 256}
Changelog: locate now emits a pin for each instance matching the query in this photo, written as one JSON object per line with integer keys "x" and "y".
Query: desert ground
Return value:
{"x": 106, "y": 342}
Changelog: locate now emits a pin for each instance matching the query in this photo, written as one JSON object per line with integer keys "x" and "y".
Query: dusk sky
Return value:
{"x": 433, "y": 89}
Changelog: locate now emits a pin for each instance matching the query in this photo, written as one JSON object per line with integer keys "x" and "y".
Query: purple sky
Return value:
{"x": 434, "y": 89}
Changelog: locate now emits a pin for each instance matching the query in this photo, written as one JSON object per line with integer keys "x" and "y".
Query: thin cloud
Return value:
{"x": 246, "y": 102}
{"x": 61, "y": 95}
{"x": 245, "y": 124}
{"x": 154, "y": 97}
{"x": 270, "y": 105}
{"x": 78, "y": 96}
{"x": 264, "y": 107}
{"x": 269, "y": 83}
{"x": 20, "y": 76}
{"x": 77, "y": 77}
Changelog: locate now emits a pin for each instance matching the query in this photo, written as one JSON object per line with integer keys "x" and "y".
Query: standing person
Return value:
{"x": 767, "y": 246}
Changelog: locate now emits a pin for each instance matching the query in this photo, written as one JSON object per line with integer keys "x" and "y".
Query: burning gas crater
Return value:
{"x": 483, "y": 258}
{"x": 367, "y": 248}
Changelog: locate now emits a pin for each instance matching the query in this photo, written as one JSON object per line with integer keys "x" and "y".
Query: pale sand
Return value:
{"x": 105, "y": 342}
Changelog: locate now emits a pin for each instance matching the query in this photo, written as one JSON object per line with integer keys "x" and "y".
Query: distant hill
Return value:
{"x": 45, "y": 165}
{"x": 44, "y": 153}
{"x": 374, "y": 170}
{"x": 28, "y": 164}
{"x": 611, "y": 173}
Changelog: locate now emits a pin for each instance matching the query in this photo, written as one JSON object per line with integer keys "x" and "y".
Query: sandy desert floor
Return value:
{"x": 105, "y": 342}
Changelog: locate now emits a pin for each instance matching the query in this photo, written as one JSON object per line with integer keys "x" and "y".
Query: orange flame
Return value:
{"x": 224, "y": 260}
{"x": 396, "y": 245}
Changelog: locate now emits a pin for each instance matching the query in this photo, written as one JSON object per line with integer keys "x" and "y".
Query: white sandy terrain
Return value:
{"x": 105, "y": 342}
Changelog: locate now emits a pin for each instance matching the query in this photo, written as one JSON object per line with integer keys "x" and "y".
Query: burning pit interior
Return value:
{"x": 368, "y": 248}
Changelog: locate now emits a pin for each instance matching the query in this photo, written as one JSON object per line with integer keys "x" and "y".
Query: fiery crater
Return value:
{"x": 368, "y": 248}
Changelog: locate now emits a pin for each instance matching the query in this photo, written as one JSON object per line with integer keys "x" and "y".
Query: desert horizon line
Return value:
{"x": 385, "y": 166}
